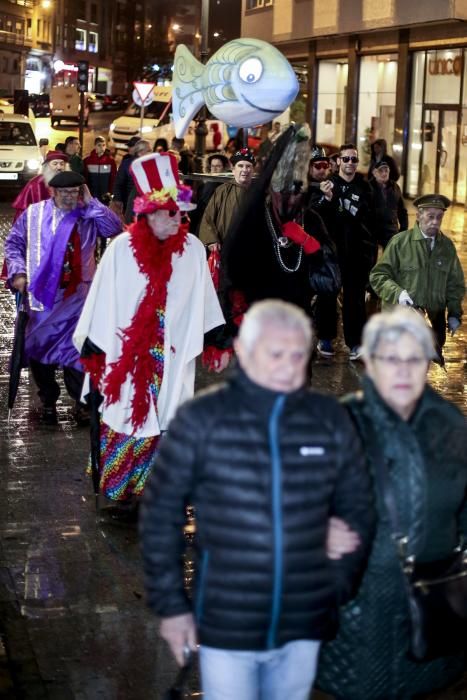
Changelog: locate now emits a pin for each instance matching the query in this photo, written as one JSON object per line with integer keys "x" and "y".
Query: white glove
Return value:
{"x": 405, "y": 299}
{"x": 453, "y": 324}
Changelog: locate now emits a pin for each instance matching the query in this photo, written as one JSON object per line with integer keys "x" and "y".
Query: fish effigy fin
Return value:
{"x": 187, "y": 89}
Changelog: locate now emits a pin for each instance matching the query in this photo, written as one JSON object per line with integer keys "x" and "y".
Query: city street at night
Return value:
{"x": 73, "y": 617}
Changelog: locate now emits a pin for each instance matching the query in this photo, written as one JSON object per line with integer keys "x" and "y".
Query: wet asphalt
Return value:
{"x": 73, "y": 621}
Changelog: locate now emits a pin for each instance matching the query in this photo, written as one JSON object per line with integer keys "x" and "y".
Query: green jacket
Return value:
{"x": 434, "y": 281}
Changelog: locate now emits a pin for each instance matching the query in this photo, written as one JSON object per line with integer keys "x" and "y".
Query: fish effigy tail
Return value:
{"x": 187, "y": 89}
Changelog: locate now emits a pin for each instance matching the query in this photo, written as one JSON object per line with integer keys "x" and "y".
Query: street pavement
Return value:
{"x": 73, "y": 620}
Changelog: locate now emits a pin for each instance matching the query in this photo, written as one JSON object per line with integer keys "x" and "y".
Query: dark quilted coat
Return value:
{"x": 427, "y": 459}
{"x": 264, "y": 472}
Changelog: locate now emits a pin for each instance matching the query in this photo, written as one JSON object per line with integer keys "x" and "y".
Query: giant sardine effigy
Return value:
{"x": 245, "y": 83}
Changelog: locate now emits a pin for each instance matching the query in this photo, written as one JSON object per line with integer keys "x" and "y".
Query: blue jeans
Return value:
{"x": 281, "y": 674}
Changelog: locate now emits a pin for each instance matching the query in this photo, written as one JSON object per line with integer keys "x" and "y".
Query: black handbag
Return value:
{"x": 436, "y": 591}
{"x": 325, "y": 274}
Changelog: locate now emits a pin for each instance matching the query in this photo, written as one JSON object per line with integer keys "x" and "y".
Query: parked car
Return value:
{"x": 95, "y": 101}
{"x": 20, "y": 157}
{"x": 113, "y": 102}
{"x": 40, "y": 105}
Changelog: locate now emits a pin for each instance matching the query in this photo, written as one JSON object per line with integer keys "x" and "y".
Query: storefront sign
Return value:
{"x": 445, "y": 66}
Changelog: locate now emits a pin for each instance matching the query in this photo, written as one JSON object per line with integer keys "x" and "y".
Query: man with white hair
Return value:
{"x": 267, "y": 465}
{"x": 37, "y": 189}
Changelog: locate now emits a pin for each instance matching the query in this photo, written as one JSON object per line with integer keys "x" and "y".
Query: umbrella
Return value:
{"x": 17, "y": 353}
{"x": 94, "y": 400}
{"x": 179, "y": 688}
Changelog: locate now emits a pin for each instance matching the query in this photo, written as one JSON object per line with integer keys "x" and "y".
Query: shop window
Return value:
{"x": 376, "y": 103}
{"x": 93, "y": 42}
{"x": 332, "y": 89}
{"x": 80, "y": 39}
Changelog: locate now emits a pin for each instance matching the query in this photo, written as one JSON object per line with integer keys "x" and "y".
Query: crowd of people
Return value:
{"x": 300, "y": 579}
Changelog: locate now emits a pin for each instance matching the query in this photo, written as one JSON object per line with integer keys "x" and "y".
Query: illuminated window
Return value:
{"x": 93, "y": 42}
{"x": 80, "y": 39}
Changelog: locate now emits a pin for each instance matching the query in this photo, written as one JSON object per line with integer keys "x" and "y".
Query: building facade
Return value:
{"x": 380, "y": 69}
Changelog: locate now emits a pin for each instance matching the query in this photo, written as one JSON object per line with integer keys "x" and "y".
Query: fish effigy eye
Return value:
{"x": 251, "y": 70}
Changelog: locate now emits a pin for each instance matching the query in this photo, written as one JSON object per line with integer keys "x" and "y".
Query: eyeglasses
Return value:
{"x": 349, "y": 159}
{"x": 395, "y": 362}
{"x": 320, "y": 166}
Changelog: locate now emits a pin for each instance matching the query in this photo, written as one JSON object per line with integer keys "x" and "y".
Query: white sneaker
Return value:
{"x": 325, "y": 348}
{"x": 355, "y": 353}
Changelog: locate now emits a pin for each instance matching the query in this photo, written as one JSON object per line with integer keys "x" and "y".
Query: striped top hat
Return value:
{"x": 158, "y": 185}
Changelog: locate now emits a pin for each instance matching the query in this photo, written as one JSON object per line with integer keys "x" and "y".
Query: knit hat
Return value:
{"x": 243, "y": 154}
{"x": 318, "y": 153}
{"x": 55, "y": 155}
{"x": 158, "y": 185}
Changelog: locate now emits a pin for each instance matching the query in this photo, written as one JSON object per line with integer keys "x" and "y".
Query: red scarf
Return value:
{"x": 71, "y": 273}
{"x": 154, "y": 258}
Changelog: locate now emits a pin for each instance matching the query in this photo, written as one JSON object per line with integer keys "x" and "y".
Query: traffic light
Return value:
{"x": 83, "y": 76}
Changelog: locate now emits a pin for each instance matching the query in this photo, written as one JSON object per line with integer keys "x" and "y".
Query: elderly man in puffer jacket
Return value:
{"x": 267, "y": 464}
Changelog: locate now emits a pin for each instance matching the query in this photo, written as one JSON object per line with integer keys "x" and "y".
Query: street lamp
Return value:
{"x": 46, "y": 4}
{"x": 201, "y": 130}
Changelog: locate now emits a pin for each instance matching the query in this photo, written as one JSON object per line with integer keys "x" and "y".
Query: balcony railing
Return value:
{"x": 14, "y": 39}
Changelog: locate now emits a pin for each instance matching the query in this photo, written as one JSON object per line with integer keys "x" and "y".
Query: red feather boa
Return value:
{"x": 154, "y": 258}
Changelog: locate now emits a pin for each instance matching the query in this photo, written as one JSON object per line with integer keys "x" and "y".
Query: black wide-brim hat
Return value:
{"x": 67, "y": 178}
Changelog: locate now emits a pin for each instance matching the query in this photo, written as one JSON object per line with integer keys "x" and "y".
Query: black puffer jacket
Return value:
{"x": 264, "y": 472}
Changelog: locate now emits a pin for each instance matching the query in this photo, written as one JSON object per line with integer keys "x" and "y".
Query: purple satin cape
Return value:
{"x": 45, "y": 281}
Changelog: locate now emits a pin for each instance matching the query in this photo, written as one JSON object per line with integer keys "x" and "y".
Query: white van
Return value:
{"x": 20, "y": 157}
{"x": 158, "y": 125}
{"x": 65, "y": 105}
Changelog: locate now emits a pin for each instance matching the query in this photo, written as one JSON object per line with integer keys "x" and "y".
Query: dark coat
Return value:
{"x": 394, "y": 172}
{"x": 427, "y": 460}
{"x": 123, "y": 184}
{"x": 264, "y": 472}
{"x": 390, "y": 212}
{"x": 349, "y": 219}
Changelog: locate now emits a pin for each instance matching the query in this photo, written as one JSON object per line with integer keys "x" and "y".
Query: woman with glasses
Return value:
{"x": 422, "y": 439}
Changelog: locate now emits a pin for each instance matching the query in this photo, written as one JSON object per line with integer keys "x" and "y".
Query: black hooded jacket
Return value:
{"x": 264, "y": 471}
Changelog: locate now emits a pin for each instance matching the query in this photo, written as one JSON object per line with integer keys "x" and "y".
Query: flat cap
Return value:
{"x": 381, "y": 164}
{"x": 67, "y": 179}
{"x": 433, "y": 201}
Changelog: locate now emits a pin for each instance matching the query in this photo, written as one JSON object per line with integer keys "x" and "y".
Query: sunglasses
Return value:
{"x": 320, "y": 166}
{"x": 349, "y": 159}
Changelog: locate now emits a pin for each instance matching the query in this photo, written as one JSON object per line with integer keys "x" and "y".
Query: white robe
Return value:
{"x": 192, "y": 309}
